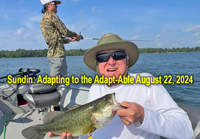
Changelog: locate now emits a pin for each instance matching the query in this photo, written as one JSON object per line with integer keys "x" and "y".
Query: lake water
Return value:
{"x": 156, "y": 64}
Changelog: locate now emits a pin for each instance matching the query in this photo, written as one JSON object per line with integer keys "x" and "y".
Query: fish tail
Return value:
{"x": 32, "y": 133}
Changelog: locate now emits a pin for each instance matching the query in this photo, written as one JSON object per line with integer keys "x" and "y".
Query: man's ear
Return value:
{"x": 97, "y": 70}
{"x": 127, "y": 63}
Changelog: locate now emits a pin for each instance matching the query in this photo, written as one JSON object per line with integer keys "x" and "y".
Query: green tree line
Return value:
{"x": 169, "y": 50}
{"x": 80, "y": 52}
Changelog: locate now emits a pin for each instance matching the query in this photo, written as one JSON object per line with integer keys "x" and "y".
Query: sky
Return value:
{"x": 168, "y": 23}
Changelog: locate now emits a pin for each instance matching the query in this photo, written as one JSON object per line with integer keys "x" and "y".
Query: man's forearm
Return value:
{"x": 71, "y": 34}
{"x": 174, "y": 125}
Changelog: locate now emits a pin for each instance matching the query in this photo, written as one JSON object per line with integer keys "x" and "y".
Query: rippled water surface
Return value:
{"x": 156, "y": 64}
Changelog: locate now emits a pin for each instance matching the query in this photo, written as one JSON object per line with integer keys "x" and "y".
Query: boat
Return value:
{"x": 24, "y": 105}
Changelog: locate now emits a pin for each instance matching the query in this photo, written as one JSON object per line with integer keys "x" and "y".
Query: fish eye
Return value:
{"x": 105, "y": 99}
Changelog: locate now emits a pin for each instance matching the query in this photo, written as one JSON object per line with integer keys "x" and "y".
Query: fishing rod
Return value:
{"x": 67, "y": 38}
{"x": 82, "y": 38}
{"x": 123, "y": 39}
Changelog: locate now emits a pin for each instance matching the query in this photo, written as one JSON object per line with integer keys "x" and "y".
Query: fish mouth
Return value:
{"x": 116, "y": 105}
{"x": 114, "y": 99}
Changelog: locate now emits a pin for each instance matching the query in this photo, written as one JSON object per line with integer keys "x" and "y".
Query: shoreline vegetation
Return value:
{"x": 80, "y": 52}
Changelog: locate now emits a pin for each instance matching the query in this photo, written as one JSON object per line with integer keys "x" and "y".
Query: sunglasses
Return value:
{"x": 117, "y": 55}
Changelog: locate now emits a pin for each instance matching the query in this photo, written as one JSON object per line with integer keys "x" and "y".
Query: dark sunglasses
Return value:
{"x": 117, "y": 55}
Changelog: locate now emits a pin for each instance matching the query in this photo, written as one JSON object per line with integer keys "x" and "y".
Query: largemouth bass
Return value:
{"x": 79, "y": 120}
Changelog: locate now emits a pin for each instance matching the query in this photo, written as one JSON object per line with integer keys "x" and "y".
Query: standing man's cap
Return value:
{"x": 43, "y": 2}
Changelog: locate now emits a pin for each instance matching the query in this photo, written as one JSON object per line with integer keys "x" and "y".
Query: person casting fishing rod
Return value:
{"x": 53, "y": 29}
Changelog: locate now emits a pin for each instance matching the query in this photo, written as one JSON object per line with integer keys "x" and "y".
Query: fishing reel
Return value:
{"x": 72, "y": 36}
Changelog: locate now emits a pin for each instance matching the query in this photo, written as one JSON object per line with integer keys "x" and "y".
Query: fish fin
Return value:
{"x": 73, "y": 107}
{"x": 87, "y": 129}
{"x": 51, "y": 115}
{"x": 93, "y": 129}
{"x": 32, "y": 133}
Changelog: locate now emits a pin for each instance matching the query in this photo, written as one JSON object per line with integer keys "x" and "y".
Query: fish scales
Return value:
{"x": 73, "y": 121}
{"x": 78, "y": 121}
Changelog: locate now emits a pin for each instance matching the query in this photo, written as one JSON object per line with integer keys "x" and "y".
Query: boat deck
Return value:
{"x": 70, "y": 97}
{"x": 20, "y": 122}
{"x": 30, "y": 118}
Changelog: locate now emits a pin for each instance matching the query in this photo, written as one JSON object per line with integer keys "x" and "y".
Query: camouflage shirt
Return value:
{"x": 53, "y": 29}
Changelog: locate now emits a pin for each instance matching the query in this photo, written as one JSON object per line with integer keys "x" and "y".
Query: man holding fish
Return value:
{"x": 149, "y": 112}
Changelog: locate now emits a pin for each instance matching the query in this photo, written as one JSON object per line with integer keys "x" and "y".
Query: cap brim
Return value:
{"x": 58, "y": 2}
{"x": 129, "y": 47}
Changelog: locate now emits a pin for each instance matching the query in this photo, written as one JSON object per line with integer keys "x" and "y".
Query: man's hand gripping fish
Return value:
{"x": 78, "y": 121}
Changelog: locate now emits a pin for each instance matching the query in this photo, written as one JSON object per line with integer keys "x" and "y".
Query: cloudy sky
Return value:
{"x": 169, "y": 23}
